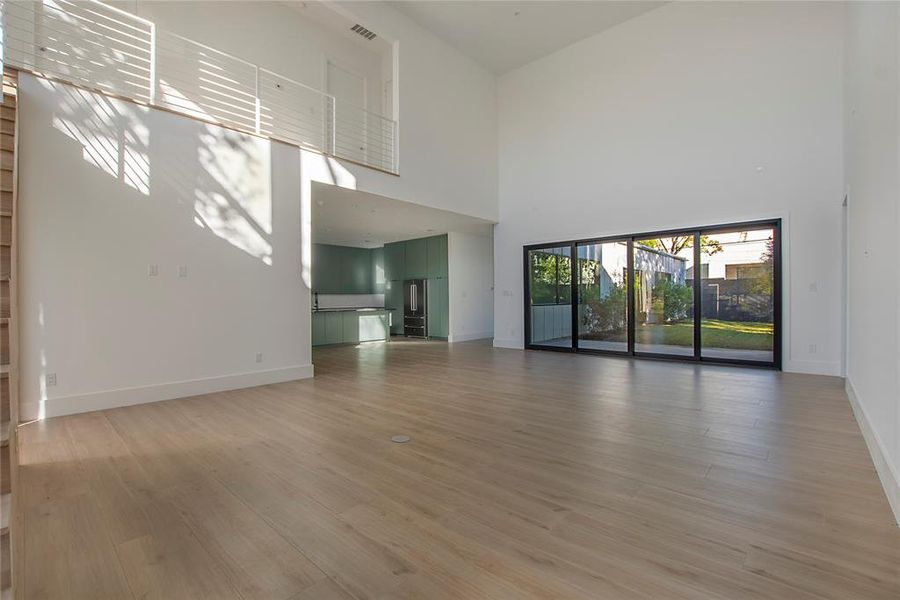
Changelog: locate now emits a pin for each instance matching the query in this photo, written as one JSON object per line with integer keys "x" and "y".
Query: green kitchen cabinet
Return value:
{"x": 341, "y": 262}
{"x": 351, "y": 327}
{"x": 394, "y": 275}
{"x": 326, "y": 268}
{"x": 362, "y": 279}
{"x": 334, "y": 327}
{"x": 318, "y": 329}
{"x": 348, "y": 270}
{"x": 416, "y": 259}
{"x": 438, "y": 308}
{"x": 393, "y": 301}
{"x": 395, "y": 261}
{"x": 433, "y": 300}
{"x": 437, "y": 256}
{"x": 378, "y": 278}
{"x": 334, "y": 280}
{"x": 423, "y": 258}
{"x": 343, "y": 270}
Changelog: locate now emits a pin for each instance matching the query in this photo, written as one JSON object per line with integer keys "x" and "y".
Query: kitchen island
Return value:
{"x": 350, "y": 325}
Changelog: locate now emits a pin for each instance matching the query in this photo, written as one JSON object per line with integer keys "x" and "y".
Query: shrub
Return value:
{"x": 607, "y": 313}
{"x": 677, "y": 300}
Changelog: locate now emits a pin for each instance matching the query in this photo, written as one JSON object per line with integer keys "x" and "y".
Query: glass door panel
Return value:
{"x": 550, "y": 296}
{"x": 603, "y": 296}
{"x": 737, "y": 293}
{"x": 664, "y": 295}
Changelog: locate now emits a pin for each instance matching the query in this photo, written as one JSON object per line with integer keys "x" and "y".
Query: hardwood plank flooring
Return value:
{"x": 529, "y": 475}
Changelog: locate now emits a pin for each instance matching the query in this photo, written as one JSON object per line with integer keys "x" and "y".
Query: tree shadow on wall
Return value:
{"x": 223, "y": 176}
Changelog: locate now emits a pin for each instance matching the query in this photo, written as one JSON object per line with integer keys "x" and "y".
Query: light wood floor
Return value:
{"x": 529, "y": 475}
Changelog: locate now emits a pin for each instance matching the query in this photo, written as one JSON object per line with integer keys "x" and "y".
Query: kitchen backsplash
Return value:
{"x": 350, "y": 300}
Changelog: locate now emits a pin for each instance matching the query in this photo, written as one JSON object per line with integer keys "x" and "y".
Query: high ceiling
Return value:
{"x": 502, "y": 36}
{"x": 347, "y": 217}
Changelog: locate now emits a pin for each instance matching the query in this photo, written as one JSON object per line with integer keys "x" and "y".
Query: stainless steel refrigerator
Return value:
{"x": 415, "y": 308}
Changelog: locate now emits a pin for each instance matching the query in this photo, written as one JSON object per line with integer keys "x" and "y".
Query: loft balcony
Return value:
{"x": 95, "y": 46}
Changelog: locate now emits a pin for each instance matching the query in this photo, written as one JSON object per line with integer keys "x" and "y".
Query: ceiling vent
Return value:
{"x": 369, "y": 35}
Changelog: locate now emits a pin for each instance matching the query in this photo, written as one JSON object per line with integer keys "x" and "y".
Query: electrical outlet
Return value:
{"x": 182, "y": 271}
{"x": 259, "y": 357}
{"x": 51, "y": 379}
{"x": 152, "y": 270}
{"x": 812, "y": 348}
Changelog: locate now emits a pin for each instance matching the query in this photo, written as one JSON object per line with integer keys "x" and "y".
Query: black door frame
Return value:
{"x": 572, "y": 285}
{"x": 697, "y": 232}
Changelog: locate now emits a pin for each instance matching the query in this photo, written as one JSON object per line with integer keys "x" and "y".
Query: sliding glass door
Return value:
{"x": 549, "y": 301}
{"x": 706, "y": 294}
{"x": 664, "y": 295}
{"x": 737, "y": 287}
{"x": 602, "y": 296}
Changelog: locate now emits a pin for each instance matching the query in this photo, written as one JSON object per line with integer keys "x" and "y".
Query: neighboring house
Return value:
{"x": 745, "y": 271}
{"x": 650, "y": 262}
{"x": 651, "y": 266}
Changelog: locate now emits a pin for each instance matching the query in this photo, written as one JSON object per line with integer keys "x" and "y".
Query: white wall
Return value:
{"x": 691, "y": 114}
{"x": 872, "y": 117}
{"x": 470, "y": 264}
{"x": 106, "y": 189}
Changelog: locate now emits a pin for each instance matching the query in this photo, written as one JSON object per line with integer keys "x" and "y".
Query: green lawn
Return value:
{"x": 714, "y": 334}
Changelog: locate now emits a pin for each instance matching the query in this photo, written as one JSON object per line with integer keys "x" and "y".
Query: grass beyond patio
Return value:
{"x": 735, "y": 335}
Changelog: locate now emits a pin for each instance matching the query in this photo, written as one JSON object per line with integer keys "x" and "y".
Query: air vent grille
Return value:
{"x": 369, "y": 35}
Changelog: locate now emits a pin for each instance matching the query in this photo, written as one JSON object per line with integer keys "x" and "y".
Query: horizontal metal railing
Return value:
{"x": 94, "y": 45}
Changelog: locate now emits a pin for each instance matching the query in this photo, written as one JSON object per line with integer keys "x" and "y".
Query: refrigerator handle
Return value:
{"x": 415, "y": 297}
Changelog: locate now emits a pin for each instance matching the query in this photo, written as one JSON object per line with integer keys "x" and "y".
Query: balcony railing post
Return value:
{"x": 153, "y": 63}
{"x": 333, "y": 126}
{"x": 258, "y": 104}
{"x": 394, "y": 163}
{"x": 326, "y": 114}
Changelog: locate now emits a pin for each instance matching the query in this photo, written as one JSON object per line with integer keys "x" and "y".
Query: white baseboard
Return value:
{"x": 887, "y": 472}
{"x": 68, "y": 405}
{"x": 809, "y": 367}
{"x": 813, "y": 367}
{"x": 468, "y": 337}
{"x": 513, "y": 344}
